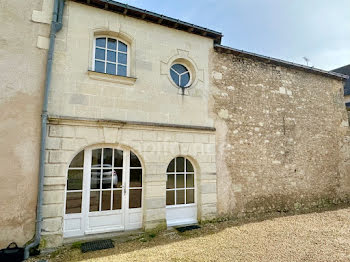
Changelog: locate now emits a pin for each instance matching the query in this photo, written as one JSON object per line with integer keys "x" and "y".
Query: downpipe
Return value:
{"x": 56, "y": 26}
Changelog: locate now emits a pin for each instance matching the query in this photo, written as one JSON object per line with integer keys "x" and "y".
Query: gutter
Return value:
{"x": 56, "y": 26}
{"x": 276, "y": 61}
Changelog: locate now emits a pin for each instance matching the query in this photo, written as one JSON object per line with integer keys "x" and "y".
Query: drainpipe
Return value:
{"x": 56, "y": 25}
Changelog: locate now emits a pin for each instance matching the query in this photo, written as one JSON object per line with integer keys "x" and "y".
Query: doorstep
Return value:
{"x": 170, "y": 227}
{"x": 118, "y": 237}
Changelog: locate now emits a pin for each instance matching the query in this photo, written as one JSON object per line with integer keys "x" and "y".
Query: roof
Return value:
{"x": 266, "y": 59}
{"x": 152, "y": 17}
{"x": 345, "y": 70}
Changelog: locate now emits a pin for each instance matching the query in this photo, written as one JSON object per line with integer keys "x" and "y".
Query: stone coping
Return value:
{"x": 54, "y": 119}
{"x": 126, "y": 80}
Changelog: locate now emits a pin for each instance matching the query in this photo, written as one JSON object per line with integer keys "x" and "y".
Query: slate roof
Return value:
{"x": 345, "y": 70}
{"x": 167, "y": 21}
{"x": 152, "y": 17}
{"x": 267, "y": 59}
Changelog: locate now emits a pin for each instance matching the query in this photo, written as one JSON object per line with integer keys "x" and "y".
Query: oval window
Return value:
{"x": 180, "y": 75}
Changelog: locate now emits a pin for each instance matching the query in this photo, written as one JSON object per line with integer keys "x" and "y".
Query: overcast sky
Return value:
{"x": 285, "y": 29}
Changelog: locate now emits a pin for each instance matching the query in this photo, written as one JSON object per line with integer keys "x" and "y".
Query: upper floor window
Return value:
{"x": 180, "y": 75}
{"x": 111, "y": 56}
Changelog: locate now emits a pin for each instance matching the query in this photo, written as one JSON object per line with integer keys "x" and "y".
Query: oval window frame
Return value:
{"x": 191, "y": 69}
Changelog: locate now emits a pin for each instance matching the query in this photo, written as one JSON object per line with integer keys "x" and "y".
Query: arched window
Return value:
{"x": 75, "y": 184}
{"x": 103, "y": 192}
{"x": 110, "y": 56}
{"x": 180, "y": 186}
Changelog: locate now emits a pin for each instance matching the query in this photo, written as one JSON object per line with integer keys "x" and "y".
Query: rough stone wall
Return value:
{"x": 344, "y": 181}
{"x": 22, "y": 68}
{"x": 156, "y": 147}
{"x": 279, "y": 135}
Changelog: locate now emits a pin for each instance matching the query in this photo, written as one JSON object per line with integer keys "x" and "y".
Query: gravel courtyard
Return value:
{"x": 309, "y": 237}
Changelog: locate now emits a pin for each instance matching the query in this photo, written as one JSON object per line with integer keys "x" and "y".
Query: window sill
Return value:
{"x": 126, "y": 80}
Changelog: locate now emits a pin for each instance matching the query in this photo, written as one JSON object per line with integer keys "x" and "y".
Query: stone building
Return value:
{"x": 151, "y": 122}
{"x": 345, "y": 70}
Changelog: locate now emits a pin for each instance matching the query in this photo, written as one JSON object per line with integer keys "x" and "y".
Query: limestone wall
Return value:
{"x": 344, "y": 168}
{"x": 152, "y": 97}
{"x": 155, "y": 146}
{"x": 279, "y": 135}
{"x": 22, "y": 68}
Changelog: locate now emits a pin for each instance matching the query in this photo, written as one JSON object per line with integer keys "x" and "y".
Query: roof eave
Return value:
{"x": 152, "y": 17}
{"x": 266, "y": 59}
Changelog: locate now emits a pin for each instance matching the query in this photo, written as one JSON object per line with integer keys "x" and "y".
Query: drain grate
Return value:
{"x": 187, "y": 228}
{"x": 97, "y": 245}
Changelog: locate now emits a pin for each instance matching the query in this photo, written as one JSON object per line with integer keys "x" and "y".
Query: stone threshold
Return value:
{"x": 118, "y": 237}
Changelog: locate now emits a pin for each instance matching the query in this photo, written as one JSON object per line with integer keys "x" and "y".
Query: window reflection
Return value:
{"x": 106, "y": 181}
{"x": 135, "y": 196}
{"x": 180, "y": 185}
{"x": 73, "y": 202}
{"x": 111, "y": 56}
{"x": 135, "y": 177}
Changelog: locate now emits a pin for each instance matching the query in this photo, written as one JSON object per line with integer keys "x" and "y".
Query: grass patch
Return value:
{"x": 152, "y": 233}
{"x": 76, "y": 245}
{"x": 55, "y": 253}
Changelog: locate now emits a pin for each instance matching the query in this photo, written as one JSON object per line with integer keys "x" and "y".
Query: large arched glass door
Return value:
{"x": 104, "y": 192}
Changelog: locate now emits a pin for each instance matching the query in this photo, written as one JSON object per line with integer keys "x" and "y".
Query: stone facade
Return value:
{"x": 279, "y": 135}
{"x": 77, "y": 92}
{"x": 156, "y": 147}
{"x": 89, "y": 102}
{"x": 262, "y": 137}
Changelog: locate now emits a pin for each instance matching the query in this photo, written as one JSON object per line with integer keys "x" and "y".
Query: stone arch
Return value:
{"x": 106, "y": 145}
{"x": 192, "y": 159}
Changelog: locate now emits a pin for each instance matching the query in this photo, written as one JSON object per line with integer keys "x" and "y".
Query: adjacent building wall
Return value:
{"x": 22, "y": 69}
{"x": 279, "y": 135}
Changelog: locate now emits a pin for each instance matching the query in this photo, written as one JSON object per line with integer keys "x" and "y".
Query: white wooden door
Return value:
{"x": 181, "y": 207}
{"x": 111, "y": 195}
{"x": 106, "y": 195}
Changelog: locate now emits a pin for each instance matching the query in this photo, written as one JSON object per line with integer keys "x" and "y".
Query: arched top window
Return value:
{"x": 110, "y": 56}
{"x": 109, "y": 171}
{"x": 180, "y": 186}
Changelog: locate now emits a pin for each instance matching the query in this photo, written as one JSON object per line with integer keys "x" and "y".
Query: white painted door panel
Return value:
{"x": 181, "y": 215}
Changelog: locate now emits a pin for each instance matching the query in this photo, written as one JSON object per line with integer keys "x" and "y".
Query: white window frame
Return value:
{"x": 75, "y": 190}
{"x": 182, "y": 214}
{"x": 105, "y": 61}
{"x": 188, "y": 70}
{"x": 132, "y": 217}
{"x": 185, "y": 186}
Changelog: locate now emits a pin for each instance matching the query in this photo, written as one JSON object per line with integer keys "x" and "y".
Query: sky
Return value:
{"x": 284, "y": 29}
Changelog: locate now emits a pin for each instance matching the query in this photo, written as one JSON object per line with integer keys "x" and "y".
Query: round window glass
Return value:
{"x": 180, "y": 75}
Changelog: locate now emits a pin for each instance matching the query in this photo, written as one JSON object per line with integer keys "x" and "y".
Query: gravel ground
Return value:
{"x": 309, "y": 237}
